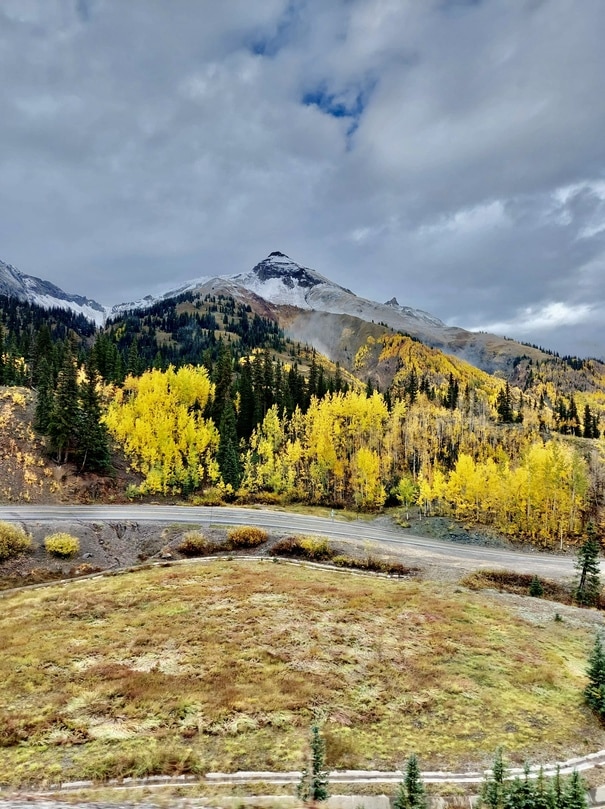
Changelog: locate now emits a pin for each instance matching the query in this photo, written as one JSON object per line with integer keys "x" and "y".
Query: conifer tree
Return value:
{"x": 574, "y": 794}
{"x": 535, "y": 588}
{"x": 574, "y": 418}
{"x": 64, "y": 416}
{"x": 556, "y": 791}
{"x": 92, "y": 436}
{"x": 245, "y": 416}
{"x": 588, "y": 586}
{"x": 133, "y": 361}
{"x": 313, "y": 784}
{"x": 541, "y": 793}
{"x": 411, "y": 387}
{"x": 227, "y": 456}
{"x": 222, "y": 383}
{"x": 451, "y": 397}
{"x": 494, "y": 789}
{"x": 411, "y": 794}
{"x": 45, "y": 398}
{"x": 588, "y": 422}
{"x": 594, "y": 693}
{"x": 504, "y": 405}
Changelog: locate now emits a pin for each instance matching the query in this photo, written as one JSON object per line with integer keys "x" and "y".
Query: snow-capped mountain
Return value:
{"x": 280, "y": 281}
{"x": 309, "y": 307}
{"x": 283, "y": 282}
{"x": 16, "y": 284}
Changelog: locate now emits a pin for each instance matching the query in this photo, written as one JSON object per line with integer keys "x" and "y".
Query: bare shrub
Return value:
{"x": 316, "y": 549}
{"x": 194, "y": 543}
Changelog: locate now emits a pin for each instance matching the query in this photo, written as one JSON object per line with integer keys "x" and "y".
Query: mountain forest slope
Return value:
{"x": 207, "y": 392}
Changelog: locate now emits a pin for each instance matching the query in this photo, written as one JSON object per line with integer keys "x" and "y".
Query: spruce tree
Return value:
{"x": 92, "y": 436}
{"x": 556, "y": 797}
{"x": 541, "y": 793}
{"x": 222, "y": 381}
{"x": 535, "y": 588}
{"x": 227, "y": 456}
{"x": 245, "y": 416}
{"x": 494, "y": 788}
{"x": 413, "y": 785}
{"x": 504, "y": 405}
{"x": 574, "y": 794}
{"x": 594, "y": 693}
{"x": 411, "y": 386}
{"x": 313, "y": 784}
{"x": 588, "y": 423}
{"x": 63, "y": 420}
{"x": 44, "y": 399}
{"x": 588, "y": 586}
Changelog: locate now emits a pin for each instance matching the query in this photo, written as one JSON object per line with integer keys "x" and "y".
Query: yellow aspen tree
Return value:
{"x": 157, "y": 418}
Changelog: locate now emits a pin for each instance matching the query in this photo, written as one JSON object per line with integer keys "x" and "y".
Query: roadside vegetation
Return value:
{"x": 225, "y": 666}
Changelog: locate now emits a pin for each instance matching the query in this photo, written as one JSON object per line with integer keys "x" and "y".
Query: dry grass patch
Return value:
{"x": 225, "y": 665}
{"x": 509, "y": 581}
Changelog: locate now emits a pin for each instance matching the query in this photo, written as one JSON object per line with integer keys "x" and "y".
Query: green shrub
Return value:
{"x": 62, "y": 545}
{"x": 535, "y": 588}
{"x": 194, "y": 543}
{"x": 13, "y": 541}
{"x": 248, "y": 536}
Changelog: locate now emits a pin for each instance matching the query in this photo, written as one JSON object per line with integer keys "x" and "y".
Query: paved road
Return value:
{"x": 417, "y": 549}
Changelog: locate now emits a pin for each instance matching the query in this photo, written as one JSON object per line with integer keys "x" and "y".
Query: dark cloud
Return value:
{"x": 446, "y": 152}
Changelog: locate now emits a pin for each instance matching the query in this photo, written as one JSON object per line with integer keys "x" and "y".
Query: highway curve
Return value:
{"x": 417, "y": 549}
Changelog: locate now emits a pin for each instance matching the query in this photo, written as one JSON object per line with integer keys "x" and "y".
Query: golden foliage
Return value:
{"x": 13, "y": 541}
{"x": 158, "y": 419}
{"x": 62, "y": 545}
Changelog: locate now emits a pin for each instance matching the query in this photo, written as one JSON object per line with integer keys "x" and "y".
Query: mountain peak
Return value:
{"x": 392, "y": 302}
{"x": 279, "y": 266}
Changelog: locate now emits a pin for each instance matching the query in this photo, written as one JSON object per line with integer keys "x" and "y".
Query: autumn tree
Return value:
{"x": 158, "y": 419}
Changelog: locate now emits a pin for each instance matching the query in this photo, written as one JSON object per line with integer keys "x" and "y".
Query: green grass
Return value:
{"x": 224, "y": 665}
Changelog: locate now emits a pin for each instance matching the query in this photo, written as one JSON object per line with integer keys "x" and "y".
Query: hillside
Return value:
{"x": 166, "y": 684}
{"x": 205, "y": 395}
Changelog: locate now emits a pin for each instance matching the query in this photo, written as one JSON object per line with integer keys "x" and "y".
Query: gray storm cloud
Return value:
{"x": 448, "y": 153}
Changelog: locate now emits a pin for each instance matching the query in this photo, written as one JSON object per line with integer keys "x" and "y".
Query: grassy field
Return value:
{"x": 224, "y": 665}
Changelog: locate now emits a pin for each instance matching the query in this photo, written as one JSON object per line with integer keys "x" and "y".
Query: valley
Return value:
{"x": 406, "y": 498}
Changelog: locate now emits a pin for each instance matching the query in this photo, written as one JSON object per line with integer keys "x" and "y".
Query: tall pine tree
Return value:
{"x": 63, "y": 421}
{"x": 92, "y": 438}
{"x": 588, "y": 586}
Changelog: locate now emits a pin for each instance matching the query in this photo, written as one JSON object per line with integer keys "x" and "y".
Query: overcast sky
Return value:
{"x": 448, "y": 152}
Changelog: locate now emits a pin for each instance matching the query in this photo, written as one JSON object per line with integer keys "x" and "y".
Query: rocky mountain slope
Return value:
{"x": 307, "y": 305}
{"x": 16, "y": 284}
{"x": 313, "y": 309}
